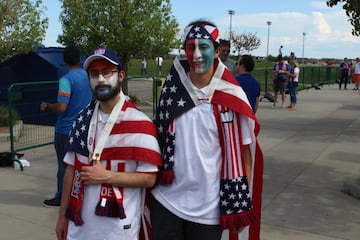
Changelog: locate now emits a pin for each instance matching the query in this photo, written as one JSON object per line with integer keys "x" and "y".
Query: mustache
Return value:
{"x": 100, "y": 86}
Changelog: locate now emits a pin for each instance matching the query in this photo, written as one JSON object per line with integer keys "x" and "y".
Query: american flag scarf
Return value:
{"x": 121, "y": 144}
{"x": 229, "y": 104}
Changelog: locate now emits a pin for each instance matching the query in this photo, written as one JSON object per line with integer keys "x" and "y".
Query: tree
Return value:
{"x": 21, "y": 26}
{"x": 352, "y": 10}
{"x": 245, "y": 42}
{"x": 133, "y": 28}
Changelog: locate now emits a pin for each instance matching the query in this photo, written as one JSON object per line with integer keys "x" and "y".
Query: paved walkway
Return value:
{"x": 309, "y": 154}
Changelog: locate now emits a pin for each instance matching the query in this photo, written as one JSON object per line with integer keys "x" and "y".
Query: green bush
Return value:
{"x": 4, "y": 116}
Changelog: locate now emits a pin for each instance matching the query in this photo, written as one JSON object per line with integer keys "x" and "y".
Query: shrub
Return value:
{"x": 4, "y": 116}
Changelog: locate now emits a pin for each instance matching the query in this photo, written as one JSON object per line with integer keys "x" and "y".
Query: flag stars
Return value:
{"x": 81, "y": 118}
{"x": 83, "y": 128}
{"x": 169, "y": 77}
{"x": 224, "y": 203}
{"x": 169, "y": 101}
{"x": 173, "y": 89}
{"x": 89, "y": 112}
{"x": 77, "y": 133}
{"x": 161, "y": 115}
{"x": 82, "y": 144}
{"x": 181, "y": 103}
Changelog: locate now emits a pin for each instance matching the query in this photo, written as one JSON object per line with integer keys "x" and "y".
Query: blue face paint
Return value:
{"x": 200, "y": 54}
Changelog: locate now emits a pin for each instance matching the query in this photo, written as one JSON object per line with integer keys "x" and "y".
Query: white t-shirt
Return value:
{"x": 109, "y": 228}
{"x": 297, "y": 71}
{"x": 357, "y": 68}
{"x": 194, "y": 193}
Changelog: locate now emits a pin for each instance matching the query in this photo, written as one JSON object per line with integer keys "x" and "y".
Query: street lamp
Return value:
{"x": 303, "y": 60}
{"x": 231, "y": 13}
{"x": 267, "y": 48}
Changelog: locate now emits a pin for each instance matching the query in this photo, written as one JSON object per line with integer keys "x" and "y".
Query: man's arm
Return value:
{"x": 53, "y": 107}
{"x": 248, "y": 161}
{"x": 97, "y": 174}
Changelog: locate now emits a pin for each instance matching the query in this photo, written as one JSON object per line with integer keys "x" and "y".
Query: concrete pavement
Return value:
{"x": 309, "y": 154}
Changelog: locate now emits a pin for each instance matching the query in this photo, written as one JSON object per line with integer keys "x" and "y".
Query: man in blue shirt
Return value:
{"x": 73, "y": 95}
{"x": 249, "y": 84}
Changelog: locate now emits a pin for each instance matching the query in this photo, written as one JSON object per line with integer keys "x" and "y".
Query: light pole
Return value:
{"x": 267, "y": 48}
{"x": 303, "y": 60}
{"x": 231, "y": 13}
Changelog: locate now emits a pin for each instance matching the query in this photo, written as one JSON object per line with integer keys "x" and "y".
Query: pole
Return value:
{"x": 303, "y": 59}
{"x": 231, "y": 13}
{"x": 267, "y": 48}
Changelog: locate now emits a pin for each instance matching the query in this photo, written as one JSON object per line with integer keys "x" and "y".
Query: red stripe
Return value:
{"x": 254, "y": 229}
{"x": 64, "y": 94}
{"x": 132, "y": 153}
{"x": 233, "y": 102}
{"x": 144, "y": 127}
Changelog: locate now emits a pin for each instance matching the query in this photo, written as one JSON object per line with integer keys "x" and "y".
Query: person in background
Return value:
{"x": 280, "y": 50}
{"x": 112, "y": 156}
{"x": 159, "y": 61}
{"x": 249, "y": 84}
{"x": 280, "y": 70}
{"x": 74, "y": 94}
{"x": 205, "y": 127}
{"x": 356, "y": 76}
{"x": 344, "y": 75}
{"x": 144, "y": 66}
{"x": 293, "y": 83}
{"x": 224, "y": 56}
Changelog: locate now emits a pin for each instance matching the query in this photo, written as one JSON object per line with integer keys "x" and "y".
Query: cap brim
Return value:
{"x": 92, "y": 58}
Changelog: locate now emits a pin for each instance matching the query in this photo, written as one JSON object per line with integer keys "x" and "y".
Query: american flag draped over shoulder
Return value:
{"x": 133, "y": 137}
{"x": 228, "y": 100}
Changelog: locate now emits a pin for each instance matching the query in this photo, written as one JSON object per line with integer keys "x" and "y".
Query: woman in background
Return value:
{"x": 293, "y": 83}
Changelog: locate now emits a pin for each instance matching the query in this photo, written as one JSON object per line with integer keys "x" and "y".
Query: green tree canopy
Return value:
{"x": 133, "y": 28}
{"x": 21, "y": 26}
{"x": 352, "y": 10}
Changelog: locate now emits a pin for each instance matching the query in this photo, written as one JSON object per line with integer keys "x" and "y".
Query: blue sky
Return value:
{"x": 327, "y": 30}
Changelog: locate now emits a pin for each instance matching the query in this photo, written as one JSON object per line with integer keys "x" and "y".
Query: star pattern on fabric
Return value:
{"x": 230, "y": 202}
{"x": 198, "y": 33}
{"x": 174, "y": 100}
{"x": 78, "y": 136}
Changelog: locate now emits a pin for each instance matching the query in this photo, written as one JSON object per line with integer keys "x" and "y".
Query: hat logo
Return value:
{"x": 100, "y": 51}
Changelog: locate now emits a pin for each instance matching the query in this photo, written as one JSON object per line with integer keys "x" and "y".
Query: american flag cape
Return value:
{"x": 133, "y": 137}
{"x": 229, "y": 104}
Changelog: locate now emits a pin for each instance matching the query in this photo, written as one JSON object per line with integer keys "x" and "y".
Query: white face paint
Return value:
{"x": 105, "y": 88}
{"x": 101, "y": 81}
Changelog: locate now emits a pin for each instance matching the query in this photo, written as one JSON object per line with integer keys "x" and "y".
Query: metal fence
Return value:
{"x": 310, "y": 76}
{"x": 36, "y": 128}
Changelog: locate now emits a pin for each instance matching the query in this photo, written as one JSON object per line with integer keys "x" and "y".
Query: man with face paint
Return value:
{"x": 112, "y": 157}
{"x": 212, "y": 175}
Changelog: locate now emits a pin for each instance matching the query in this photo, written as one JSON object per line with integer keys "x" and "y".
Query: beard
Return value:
{"x": 104, "y": 93}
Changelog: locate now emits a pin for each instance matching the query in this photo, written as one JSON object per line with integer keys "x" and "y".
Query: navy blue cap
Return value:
{"x": 103, "y": 53}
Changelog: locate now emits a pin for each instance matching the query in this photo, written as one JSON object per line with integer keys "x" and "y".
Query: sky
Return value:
{"x": 306, "y": 27}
